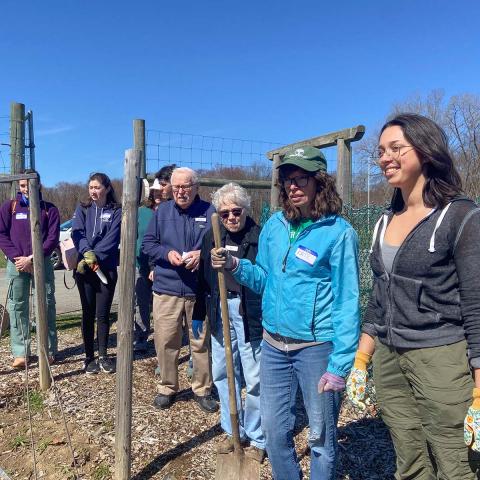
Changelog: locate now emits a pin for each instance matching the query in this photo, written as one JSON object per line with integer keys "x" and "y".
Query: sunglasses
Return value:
{"x": 236, "y": 212}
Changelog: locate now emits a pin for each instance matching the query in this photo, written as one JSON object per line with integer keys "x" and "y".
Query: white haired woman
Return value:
{"x": 239, "y": 235}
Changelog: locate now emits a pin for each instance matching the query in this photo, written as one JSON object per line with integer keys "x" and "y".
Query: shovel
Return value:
{"x": 234, "y": 465}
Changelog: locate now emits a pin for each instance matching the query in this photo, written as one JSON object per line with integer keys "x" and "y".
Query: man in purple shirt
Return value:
{"x": 16, "y": 244}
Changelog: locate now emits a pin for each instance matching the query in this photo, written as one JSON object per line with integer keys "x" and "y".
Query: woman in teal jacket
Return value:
{"x": 307, "y": 271}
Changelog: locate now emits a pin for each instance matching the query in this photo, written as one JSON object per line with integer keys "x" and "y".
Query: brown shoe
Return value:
{"x": 18, "y": 362}
{"x": 256, "y": 453}
{"x": 226, "y": 445}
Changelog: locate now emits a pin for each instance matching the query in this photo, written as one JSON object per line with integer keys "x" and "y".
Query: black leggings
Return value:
{"x": 96, "y": 299}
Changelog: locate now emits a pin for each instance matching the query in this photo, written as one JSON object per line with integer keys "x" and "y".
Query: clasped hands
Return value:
{"x": 24, "y": 264}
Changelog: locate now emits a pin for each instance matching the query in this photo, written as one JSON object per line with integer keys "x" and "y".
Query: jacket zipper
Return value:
{"x": 389, "y": 290}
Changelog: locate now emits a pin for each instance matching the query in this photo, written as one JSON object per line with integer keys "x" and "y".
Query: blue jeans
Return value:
{"x": 246, "y": 357}
{"x": 281, "y": 373}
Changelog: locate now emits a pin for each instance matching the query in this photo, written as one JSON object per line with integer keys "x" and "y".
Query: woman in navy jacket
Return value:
{"x": 96, "y": 235}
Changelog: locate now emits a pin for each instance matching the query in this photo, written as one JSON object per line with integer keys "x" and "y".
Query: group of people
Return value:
{"x": 293, "y": 301}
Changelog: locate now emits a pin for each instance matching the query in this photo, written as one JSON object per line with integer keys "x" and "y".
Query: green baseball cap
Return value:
{"x": 310, "y": 159}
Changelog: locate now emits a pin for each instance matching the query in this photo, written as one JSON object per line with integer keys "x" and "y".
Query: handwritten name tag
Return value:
{"x": 306, "y": 255}
{"x": 21, "y": 216}
{"x": 201, "y": 219}
{"x": 232, "y": 248}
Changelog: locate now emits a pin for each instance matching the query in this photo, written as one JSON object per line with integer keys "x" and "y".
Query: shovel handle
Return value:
{"x": 227, "y": 341}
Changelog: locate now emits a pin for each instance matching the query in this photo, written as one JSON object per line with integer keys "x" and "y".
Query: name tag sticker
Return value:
{"x": 106, "y": 217}
{"x": 306, "y": 255}
{"x": 232, "y": 248}
{"x": 201, "y": 219}
{"x": 21, "y": 216}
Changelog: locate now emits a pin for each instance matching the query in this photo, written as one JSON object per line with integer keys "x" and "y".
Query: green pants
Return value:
{"x": 424, "y": 395}
{"x": 18, "y": 309}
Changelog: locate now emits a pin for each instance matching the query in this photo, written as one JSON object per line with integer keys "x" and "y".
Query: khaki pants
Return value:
{"x": 424, "y": 395}
{"x": 168, "y": 314}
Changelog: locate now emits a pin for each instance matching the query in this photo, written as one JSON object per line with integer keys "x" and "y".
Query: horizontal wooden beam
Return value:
{"x": 20, "y": 176}
{"x": 323, "y": 141}
{"x": 219, "y": 182}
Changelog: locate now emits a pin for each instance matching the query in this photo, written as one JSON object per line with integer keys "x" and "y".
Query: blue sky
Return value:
{"x": 264, "y": 70}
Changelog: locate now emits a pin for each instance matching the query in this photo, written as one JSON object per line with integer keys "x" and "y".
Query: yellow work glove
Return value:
{"x": 357, "y": 381}
{"x": 90, "y": 258}
{"x": 81, "y": 267}
{"x": 471, "y": 425}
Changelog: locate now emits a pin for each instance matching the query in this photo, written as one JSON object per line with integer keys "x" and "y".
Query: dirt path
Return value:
{"x": 176, "y": 444}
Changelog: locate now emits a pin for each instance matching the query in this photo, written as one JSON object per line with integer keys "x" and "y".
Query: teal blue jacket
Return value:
{"x": 315, "y": 298}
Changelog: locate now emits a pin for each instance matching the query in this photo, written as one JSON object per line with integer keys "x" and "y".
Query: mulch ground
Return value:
{"x": 174, "y": 444}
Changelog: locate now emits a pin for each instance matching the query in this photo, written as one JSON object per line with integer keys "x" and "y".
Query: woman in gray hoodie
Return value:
{"x": 422, "y": 324}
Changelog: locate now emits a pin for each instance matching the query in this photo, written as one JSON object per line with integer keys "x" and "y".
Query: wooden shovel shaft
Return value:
{"x": 227, "y": 341}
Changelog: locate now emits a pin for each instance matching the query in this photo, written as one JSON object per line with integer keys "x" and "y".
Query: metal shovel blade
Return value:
{"x": 234, "y": 466}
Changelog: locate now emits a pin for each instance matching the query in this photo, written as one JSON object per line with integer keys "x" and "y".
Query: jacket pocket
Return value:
{"x": 408, "y": 311}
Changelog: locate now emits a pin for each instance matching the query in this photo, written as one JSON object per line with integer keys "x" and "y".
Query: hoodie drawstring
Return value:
{"x": 375, "y": 230}
{"x": 431, "y": 248}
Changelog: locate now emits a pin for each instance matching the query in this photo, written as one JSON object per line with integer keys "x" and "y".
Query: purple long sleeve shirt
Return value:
{"x": 15, "y": 236}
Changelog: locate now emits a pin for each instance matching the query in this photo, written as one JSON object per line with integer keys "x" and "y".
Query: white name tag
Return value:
{"x": 232, "y": 248}
{"x": 201, "y": 219}
{"x": 306, "y": 255}
{"x": 106, "y": 217}
{"x": 21, "y": 216}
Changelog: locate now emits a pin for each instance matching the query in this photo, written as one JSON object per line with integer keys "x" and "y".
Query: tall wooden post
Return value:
{"x": 275, "y": 190}
{"x": 17, "y": 141}
{"x": 139, "y": 144}
{"x": 39, "y": 278}
{"x": 126, "y": 307}
{"x": 344, "y": 170}
{"x": 31, "y": 139}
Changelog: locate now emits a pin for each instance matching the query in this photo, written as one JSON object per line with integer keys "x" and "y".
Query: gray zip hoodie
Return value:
{"x": 432, "y": 295}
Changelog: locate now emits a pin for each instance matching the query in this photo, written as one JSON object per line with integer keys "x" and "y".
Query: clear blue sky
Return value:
{"x": 267, "y": 70}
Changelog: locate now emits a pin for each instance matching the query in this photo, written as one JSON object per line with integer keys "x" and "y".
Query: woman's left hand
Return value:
{"x": 330, "y": 381}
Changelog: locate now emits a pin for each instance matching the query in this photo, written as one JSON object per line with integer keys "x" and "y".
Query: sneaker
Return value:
{"x": 90, "y": 366}
{"x": 106, "y": 365}
{"x": 258, "y": 454}
{"x": 226, "y": 445}
{"x": 206, "y": 403}
{"x": 157, "y": 371}
{"x": 163, "y": 401}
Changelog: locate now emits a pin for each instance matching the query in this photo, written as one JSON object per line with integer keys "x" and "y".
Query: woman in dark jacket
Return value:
{"x": 240, "y": 236}
{"x": 96, "y": 235}
{"x": 423, "y": 317}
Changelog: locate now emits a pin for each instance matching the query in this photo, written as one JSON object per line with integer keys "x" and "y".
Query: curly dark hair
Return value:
{"x": 327, "y": 200}
{"x": 443, "y": 182}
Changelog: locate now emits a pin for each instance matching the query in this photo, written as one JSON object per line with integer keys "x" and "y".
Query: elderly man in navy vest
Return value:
{"x": 173, "y": 241}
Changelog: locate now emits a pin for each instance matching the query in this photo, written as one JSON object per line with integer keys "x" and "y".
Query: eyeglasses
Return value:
{"x": 186, "y": 188}
{"x": 395, "y": 152}
{"x": 300, "y": 181}
{"x": 236, "y": 212}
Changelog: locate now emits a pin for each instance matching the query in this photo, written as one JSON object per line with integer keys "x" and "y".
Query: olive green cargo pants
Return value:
{"x": 424, "y": 395}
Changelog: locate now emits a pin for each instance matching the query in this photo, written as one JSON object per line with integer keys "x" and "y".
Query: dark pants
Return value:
{"x": 143, "y": 307}
{"x": 96, "y": 301}
{"x": 424, "y": 395}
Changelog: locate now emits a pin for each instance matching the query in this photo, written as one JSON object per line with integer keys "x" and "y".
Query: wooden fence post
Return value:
{"x": 39, "y": 278}
{"x": 275, "y": 190}
{"x": 344, "y": 170}
{"x": 126, "y": 307}
{"x": 139, "y": 144}
{"x": 17, "y": 141}
{"x": 31, "y": 139}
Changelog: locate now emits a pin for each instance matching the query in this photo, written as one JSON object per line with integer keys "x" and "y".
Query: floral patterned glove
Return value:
{"x": 357, "y": 381}
{"x": 471, "y": 426}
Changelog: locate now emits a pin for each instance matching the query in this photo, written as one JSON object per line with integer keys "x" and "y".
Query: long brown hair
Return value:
{"x": 327, "y": 200}
{"x": 111, "y": 200}
{"x": 430, "y": 141}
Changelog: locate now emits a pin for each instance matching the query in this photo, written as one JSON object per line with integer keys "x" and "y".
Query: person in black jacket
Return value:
{"x": 240, "y": 236}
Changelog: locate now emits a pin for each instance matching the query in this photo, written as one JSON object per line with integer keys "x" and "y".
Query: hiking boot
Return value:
{"x": 206, "y": 403}
{"x": 19, "y": 362}
{"x": 163, "y": 401}
{"x": 106, "y": 365}
{"x": 226, "y": 445}
{"x": 258, "y": 454}
{"x": 90, "y": 366}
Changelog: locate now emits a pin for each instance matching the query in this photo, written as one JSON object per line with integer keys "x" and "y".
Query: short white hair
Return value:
{"x": 193, "y": 174}
{"x": 231, "y": 193}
